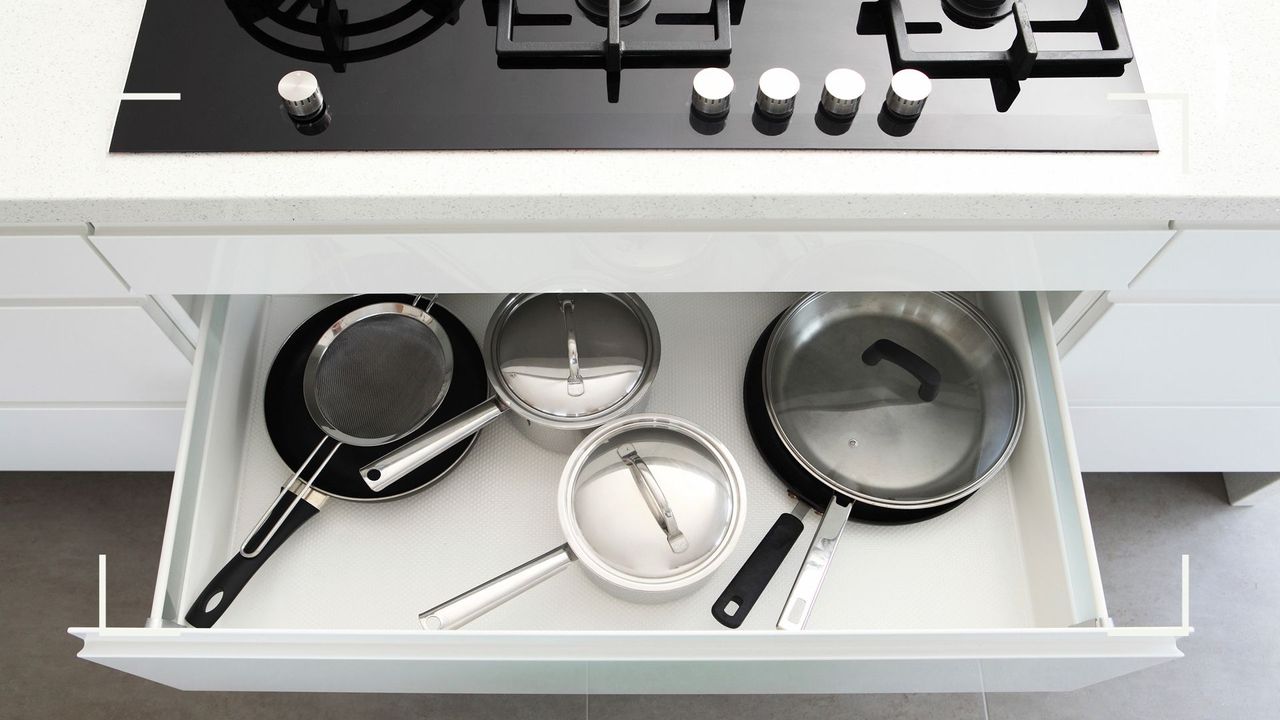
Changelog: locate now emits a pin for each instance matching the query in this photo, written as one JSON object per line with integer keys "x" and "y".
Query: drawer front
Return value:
{"x": 93, "y": 438}
{"x": 1234, "y": 263}
{"x": 353, "y": 260}
{"x": 53, "y": 262}
{"x": 1152, "y": 354}
{"x": 880, "y": 625}
{"x": 1177, "y": 439}
{"x": 104, "y": 352}
{"x": 715, "y": 663}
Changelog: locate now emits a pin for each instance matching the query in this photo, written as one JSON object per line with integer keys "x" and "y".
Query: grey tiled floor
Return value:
{"x": 53, "y": 526}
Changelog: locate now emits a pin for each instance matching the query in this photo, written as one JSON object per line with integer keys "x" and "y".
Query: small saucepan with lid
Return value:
{"x": 560, "y": 364}
{"x": 650, "y": 506}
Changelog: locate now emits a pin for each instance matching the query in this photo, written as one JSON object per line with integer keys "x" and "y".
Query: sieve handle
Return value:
{"x": 576, "y": 387}
{"x": 481, "y": 599}
{"x": 410, "y": 456}
{"x": 799, "y": 605}
{"x": 654, "y": 497}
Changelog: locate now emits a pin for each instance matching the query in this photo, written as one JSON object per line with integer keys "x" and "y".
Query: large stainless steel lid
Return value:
{"x": 572, "y": 359}
{"x": 652, "y": 501}
{"x": 898, "y": 399}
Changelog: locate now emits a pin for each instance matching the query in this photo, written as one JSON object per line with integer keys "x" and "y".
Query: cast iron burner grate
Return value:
{"x": 612, "y": 53}
{"x": 1005, "y": 68}
{"x": 377, "y": 37}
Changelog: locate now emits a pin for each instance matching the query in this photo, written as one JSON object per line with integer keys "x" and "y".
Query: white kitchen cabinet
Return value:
{"x": 1181, "y": 371}
{"x": 91, "y": 384}
{"x": 1215, "y": 263}
{"x": 1001, "y": 594}
{"x": 53, "y": 261}
{"x": 1142, "y": 438}
{"x": 795, "y": 257}
{"x": 88, "y": 351}
{"x": 1178, "y": 354}
{"x": 87, "y": 437}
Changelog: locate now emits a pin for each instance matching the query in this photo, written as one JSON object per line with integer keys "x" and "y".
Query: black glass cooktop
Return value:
{"x": 578, "y": 74}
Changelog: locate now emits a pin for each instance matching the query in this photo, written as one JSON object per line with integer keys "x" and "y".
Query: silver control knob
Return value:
{"x": 842, "y": 92}
{"x": 711, "y": 90}
{"x": 776, "y": 95}
{"x": 907, "y": 92}
{"x": 300, "y": 92}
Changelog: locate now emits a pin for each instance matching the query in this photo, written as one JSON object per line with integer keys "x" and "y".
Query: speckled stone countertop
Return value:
{"x": 1211, "y": 63}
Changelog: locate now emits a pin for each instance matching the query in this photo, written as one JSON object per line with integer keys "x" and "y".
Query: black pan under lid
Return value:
{"x": 902, "y": 399}
{"x": 295, "y": 435}
{"x": 796, "y": 476}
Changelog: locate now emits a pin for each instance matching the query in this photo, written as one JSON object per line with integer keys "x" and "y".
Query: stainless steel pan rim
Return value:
{"x": 603, "y": 570}
{"x": 653, "y": 352}
{"x": 1015, "y": 431}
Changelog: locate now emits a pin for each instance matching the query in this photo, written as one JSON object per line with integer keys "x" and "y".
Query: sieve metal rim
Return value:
{"x": 349, "y": 320}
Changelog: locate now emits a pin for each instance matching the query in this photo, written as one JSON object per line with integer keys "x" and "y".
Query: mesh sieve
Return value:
{"x": 381, "y": 378}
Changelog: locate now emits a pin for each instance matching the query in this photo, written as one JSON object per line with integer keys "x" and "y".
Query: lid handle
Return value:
{"x": 654, "y": 497}
{"x": 928, "y": 376}
{"x": 576, "y": 388}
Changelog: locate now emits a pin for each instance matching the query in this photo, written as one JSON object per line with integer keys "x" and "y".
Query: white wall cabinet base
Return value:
{"x": 1001, "y": 594}
{"x": 125, "y": 438}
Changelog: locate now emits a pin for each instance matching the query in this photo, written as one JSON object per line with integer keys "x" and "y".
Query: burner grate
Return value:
{"x": 613, "y": 53}
{"x": 1022, "y": 60}
{"x": 377, "y": 37}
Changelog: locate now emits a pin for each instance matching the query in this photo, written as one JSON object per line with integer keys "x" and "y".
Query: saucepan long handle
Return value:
{"x": 411, "y": 456}
{"x": 799, "y": 605}
{"x": 481, "y": 599}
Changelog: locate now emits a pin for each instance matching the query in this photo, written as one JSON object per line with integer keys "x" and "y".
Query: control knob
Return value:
{"x": 776, "y": 95}
{"x": 300, "y": 92}
{"x": 907, "y": 92}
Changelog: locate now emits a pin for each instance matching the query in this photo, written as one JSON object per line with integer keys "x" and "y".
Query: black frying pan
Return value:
{"x": 295, "y": 436}
{"x": 746, "y": 587}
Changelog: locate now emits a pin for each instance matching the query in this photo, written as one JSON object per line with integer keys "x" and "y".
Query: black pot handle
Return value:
{"x": 232, "y": 578}
{"x": 928, "y": 376}
{"x": 746, "y": 587}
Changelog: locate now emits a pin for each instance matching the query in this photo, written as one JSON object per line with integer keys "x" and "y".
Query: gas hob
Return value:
{"x": 285, "y": 75}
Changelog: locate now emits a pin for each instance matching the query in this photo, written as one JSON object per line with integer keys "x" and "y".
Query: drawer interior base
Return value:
{"x": 997, "y": 561}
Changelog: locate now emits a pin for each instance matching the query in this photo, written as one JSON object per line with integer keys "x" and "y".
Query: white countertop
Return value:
{"x": 65, "y": 64}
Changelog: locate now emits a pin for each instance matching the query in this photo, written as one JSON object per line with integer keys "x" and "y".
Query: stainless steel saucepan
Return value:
{"x": 560, "y": 363}
{"x": 650, "y": 507}
{"x": 881, "y": 407}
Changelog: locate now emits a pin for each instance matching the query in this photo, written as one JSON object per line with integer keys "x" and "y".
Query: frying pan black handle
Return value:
{"x": 928, "y": 376}
{"x": 232, "y": 578}
{"x": 746, "y": 587}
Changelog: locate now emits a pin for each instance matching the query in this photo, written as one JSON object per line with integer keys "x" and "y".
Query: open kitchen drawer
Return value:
{"x": 1001, "y": 594}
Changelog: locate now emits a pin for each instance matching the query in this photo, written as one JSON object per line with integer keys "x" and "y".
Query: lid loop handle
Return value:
{"x": 653, "y": 497}
{"x": 576, "y": 387}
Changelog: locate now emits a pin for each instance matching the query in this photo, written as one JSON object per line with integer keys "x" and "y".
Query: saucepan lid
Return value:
{"x": 572, "y": 359}
{"x": 652, "y": 502}
{"x": 902, "y": 400}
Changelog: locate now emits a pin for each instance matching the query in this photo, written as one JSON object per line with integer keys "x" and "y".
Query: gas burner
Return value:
{"x": 611, "y": 53}
{"x": 598, "y": 10}
{"x": 1006, "y": 69}
{"x": 284, "y": 30}
{"x": 977, "y": 14}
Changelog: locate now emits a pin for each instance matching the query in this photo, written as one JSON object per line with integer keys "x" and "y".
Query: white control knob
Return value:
{"x": 711, "y": 90}
{"x": 907, "y": 92}
{"x": 842, "y": 92}
{"x": 300, "y": 92}
{"x": 776, "y": 95}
